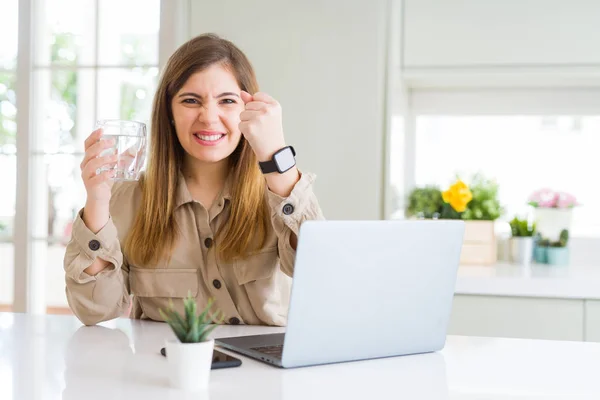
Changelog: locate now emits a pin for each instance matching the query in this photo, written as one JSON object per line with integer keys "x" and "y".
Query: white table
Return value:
{"x": 55, "y": 357}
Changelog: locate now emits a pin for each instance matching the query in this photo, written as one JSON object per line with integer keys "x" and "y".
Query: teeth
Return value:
{"x": 209, "y": 138}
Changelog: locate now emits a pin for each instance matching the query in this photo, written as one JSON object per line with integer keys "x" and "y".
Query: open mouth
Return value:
{"x": 209, "y": 139}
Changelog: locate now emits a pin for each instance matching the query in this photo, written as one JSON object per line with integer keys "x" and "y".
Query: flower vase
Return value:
{"x": 551, "y": 221}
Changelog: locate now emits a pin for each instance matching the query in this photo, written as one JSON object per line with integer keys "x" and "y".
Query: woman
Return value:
{"x": 205, "y": 217}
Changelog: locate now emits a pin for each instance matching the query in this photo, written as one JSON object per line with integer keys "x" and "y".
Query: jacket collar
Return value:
{"x": 183, "y": 195}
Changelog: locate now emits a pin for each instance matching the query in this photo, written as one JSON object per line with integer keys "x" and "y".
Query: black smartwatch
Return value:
{"x": 282, "y": 161}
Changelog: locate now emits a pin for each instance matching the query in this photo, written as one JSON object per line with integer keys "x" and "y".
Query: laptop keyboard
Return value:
{"x": 276, "y": 350}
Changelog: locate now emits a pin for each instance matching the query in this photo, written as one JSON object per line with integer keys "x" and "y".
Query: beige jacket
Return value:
{"x": 253, "y": 291}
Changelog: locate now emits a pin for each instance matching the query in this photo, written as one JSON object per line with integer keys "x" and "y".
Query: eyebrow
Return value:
{"x": 191, "y": 94}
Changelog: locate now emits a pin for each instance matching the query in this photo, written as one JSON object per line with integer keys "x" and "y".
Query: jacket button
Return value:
{"x": 208, "y": 242}
{"x": 234, "y": 321}
{"x": 217, "y": 283}
{"x": 288, "y": 209}
{"x": 94, "y": 245}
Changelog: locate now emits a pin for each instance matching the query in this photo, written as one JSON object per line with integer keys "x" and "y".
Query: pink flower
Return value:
{"x": 565, "y": 200}
{"x": 544, "y": 197}
{"x": 548, "y": 198}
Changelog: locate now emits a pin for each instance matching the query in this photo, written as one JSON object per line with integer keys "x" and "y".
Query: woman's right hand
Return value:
{"x": 98, "y": 187}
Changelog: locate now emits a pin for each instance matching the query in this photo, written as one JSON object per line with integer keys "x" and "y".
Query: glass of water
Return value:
{"x": 129, "y": 143}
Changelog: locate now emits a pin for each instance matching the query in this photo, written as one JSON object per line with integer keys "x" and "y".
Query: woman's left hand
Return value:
{"x": 261, "y": 124}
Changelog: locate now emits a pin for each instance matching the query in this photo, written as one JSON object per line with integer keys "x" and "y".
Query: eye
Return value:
{"x": 229, "y": 101}
{"x": 190, "y": 101}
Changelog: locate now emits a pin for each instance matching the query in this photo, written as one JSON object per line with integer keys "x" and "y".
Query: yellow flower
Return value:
{"x": 458, "y": 195}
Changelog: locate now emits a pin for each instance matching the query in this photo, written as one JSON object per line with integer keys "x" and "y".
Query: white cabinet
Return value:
{"x": 476, "y": 34}
{"x": 520, "y": 317}
{"x": 592, "y": 320}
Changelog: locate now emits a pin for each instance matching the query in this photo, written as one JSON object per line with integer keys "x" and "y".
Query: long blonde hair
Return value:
{"x": 154, "y": 232}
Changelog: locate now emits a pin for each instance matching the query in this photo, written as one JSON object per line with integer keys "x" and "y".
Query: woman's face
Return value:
{"x": 206, "y": 112}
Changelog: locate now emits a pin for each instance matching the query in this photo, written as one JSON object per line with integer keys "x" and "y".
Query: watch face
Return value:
{"x": 285, "y": 160}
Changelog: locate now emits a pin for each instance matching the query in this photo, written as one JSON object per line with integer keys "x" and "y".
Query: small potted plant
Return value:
{"x": 521, "y": 240}
{"x": 558, "y": 252}
{"x": 478, "y": 205}
{"x": 190, "y": 354}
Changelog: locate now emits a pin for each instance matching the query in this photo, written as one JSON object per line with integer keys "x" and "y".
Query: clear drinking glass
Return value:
{"x": 130, "y": 145}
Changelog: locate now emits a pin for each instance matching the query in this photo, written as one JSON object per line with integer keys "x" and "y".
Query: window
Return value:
{"x": 523, "y": 153}
{"x": 8, "y": 149}
{"x": 94, "y": 59}
{"x": 524, "y": 139}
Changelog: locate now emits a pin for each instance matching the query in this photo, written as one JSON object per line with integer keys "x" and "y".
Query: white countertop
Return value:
{"x": 567, "y": 282}
{"x": 55, "y": 357}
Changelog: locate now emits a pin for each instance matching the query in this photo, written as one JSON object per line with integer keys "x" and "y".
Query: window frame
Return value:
{"x": 472, "y": 102}
{"x": 29, "y": 278}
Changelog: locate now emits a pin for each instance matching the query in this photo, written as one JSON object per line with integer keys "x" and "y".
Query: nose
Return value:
{"x": 209, "y": 113}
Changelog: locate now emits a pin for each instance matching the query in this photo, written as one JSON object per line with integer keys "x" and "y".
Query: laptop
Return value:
{"x": 363, "y": 290}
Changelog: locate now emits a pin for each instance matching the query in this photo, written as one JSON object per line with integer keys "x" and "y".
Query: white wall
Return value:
{"x": 325, "y": 62}
{"x": 475, "y": 33}
{"x": 508, "y": 43}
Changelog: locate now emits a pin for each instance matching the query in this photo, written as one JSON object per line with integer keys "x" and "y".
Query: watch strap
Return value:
{"x": 270, "y": 166}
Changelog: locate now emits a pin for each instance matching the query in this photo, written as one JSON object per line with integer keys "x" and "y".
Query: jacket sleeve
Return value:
{"x": 94, "y": 299}
{"x": 287, "y": 214}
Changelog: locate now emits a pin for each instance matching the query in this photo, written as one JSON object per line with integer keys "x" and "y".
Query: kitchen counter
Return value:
{"x": 564, "y": 282}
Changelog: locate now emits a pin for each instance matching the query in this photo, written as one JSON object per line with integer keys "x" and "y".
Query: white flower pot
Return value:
{"x": 521, "y": 250}
{"x": 189, "y": 364}
{"x": 550, "y": 221}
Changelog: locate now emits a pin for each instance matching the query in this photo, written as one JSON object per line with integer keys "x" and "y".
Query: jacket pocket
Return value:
{"x": 257, "y": 267}
{"x": 176, "y": 283}
{"x": 267, "y": 287}
{"x": 153, "y": 289}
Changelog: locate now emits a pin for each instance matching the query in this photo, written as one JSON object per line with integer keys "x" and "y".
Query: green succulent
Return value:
{"x": 521, "y": 228}
{"x": 191, "y": 327}
{"x": 541, "y": 241}
{"x": 563, "y": 239}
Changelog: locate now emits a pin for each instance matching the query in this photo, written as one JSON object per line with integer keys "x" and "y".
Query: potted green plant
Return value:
{"x": 190, "y": 354}
{"x": 558, "y": 252}
{"x": 480, "y": 214}
{"x": 425, "y": 202}
{"x": 522, "y": 240}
